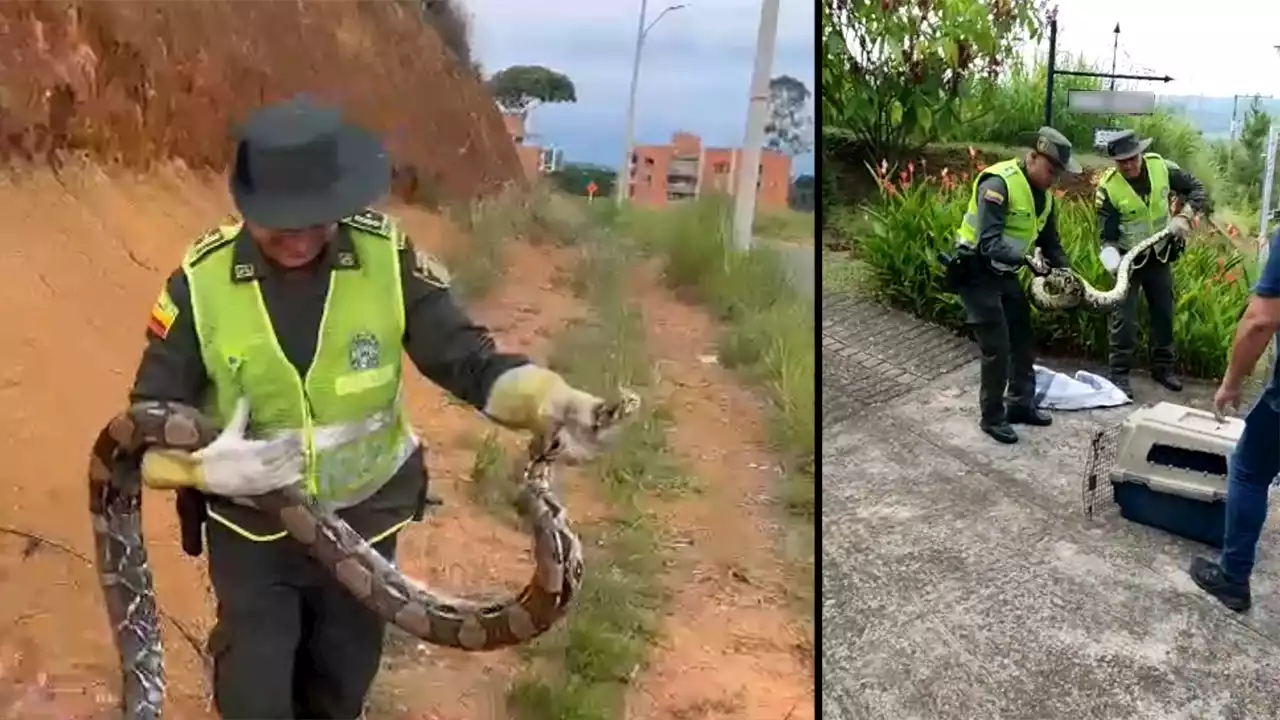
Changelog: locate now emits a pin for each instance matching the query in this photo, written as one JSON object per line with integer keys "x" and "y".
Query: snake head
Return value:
{"x": 581, "y": 443}
{"x": 613, "y": 413}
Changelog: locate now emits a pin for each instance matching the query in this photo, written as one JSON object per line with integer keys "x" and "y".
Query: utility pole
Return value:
{"x": 621, "y": 184}
{"x": 1050, "y": 65}
{"x": 1115, "y": 47}
{"x": 744, "y": 206}
{"x": 642, "y": 30}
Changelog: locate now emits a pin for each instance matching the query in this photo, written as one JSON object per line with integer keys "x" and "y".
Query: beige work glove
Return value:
{"x": 535, "y": 398}
{"x": 232, "y": 465}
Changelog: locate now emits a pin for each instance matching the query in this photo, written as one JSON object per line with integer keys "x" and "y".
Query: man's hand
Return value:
{"x": 1227, "y": 396}
{"x": 232, "y": 465}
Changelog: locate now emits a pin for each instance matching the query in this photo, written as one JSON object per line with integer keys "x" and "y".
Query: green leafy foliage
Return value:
{"x": 574, "y": 178}
{"x": 893, "y": 70}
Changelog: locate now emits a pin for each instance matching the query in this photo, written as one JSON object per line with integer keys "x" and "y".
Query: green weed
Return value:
{"x": 581, "y": 669}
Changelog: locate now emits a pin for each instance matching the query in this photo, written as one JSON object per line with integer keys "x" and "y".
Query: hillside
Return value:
{"x": 1212, "y": 115}
{"x": 141, "y": 82}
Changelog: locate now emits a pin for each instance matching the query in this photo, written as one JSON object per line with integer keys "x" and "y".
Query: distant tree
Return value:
{"x": 573, "y": 178}
{"x": 802, "y": 195}
{"x": 520, "y": 88}
{"x": 1248, "y": 164}
{"x": 790, "y": 125}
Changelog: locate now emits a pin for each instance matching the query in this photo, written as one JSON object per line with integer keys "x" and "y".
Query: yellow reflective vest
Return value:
{"x": 347, "y": 409}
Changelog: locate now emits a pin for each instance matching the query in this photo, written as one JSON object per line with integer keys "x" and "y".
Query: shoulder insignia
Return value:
{"x": 429, "y": 269}
{"x": 371, "y": 221}
{"x": 1106, "y": 175}
{"x": 206, "y": 244}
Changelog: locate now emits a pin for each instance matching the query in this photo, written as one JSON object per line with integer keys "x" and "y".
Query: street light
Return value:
{"x": 642, "y": 32}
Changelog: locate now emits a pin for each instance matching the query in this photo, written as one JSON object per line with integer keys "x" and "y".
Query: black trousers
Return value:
{"x": 1000, "y": 317}
{"x": 290, "y": 642}
{"x": 1154, "y": 280}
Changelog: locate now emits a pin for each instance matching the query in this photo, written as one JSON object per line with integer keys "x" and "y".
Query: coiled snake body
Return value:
{"x": 115, "y": 485}
{"x": 1063, "y": 288}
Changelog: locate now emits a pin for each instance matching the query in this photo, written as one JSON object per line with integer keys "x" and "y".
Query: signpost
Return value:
{"x": 591, "y": 191}
{"x": 1096, "y": 102}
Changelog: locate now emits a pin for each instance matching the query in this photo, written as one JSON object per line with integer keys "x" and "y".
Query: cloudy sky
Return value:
{"x": 1216, "y": 49}
{"x": 695, "y": 73}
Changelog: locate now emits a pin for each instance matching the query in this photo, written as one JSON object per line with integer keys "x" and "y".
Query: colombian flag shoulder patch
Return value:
{"x": 163, "y": 314}
{"x": 993, "y": 197}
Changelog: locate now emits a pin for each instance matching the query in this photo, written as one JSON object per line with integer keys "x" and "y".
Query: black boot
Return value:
{"x": 1208, "y": 575}
{"x": 1027, "y": 415}
{"x": 1121, "y": 380}
{"x": 1001, "y": 431}
{"x": 1167, "y": 379}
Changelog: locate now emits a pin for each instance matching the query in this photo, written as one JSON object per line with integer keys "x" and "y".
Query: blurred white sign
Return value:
{"x": 1111, "y": 102}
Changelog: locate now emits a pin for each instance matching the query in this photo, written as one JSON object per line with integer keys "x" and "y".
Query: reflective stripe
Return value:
{"x": 397, "y": 527}
{"x": 245, "y": 533}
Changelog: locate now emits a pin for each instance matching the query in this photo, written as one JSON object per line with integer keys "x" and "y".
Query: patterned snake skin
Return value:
{"x": 1063, "y": 289}
{"x": 115, "y": 488}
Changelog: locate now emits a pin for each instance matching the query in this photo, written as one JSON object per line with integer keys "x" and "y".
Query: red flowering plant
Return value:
{"x": 916, "y": 216}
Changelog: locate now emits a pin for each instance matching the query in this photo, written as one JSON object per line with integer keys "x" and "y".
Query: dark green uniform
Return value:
{"x": 290, "y": 641}
{"x": 1129, "y": 211}
{"x": 997, "y": 308}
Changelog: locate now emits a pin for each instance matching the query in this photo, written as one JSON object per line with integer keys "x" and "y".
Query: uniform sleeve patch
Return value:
{"x": 163, "y": 315}
{"x": 427, "y": 268}
{"x": 992, "y": 197}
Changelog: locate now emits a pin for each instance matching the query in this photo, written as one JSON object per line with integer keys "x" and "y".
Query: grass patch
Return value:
{"x": 786, "y": 225}
{"x": 842, "y": 273}
{"x": 768, "y": 336}
{"x": 492, "y": 483}
{"x": 580, "y": 670}
{"x": 478, "y": 262}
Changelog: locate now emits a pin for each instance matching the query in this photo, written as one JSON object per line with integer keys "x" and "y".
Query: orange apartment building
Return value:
{"x": 535, "y": 160}
{"x": 685, "y": 169}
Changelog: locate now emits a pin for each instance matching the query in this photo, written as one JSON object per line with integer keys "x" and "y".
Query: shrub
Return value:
{"x": 915, "y": 219}
{"x": 451, "y": 23}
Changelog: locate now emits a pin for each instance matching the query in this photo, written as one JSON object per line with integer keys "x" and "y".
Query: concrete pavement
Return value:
{"x": 961, "y": 581}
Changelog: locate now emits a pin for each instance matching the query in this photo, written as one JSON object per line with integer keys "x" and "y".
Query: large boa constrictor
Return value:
{"x": 115, "y": 490}
{"x": 1063, "y": 288}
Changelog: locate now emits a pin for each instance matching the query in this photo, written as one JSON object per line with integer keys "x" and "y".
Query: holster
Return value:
{"x": 958, "y": 268}
{"x": 193, "y": 512}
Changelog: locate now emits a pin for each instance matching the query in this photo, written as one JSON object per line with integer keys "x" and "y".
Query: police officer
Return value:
{"x": 293, "y": 324}
{"x": 1133, "y": 204}
{"x": 1010, "y": 214}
